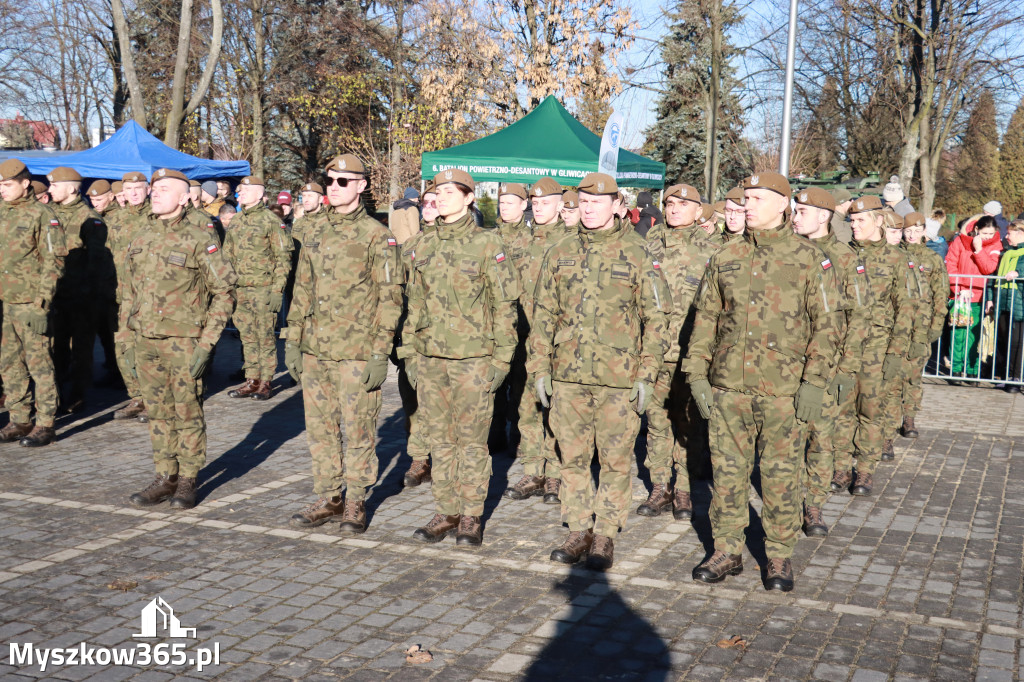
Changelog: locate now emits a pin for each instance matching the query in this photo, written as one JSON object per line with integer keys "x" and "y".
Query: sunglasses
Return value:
{"x": 341, "y": 182}
{"x": 429, "y": 204}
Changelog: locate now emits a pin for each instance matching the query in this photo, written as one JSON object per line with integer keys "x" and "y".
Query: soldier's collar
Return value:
{"x": 601, "y": 235}
{"x": 771, "y": 235}
{"x": 868, "y": 244}
{"x": 460, "y": 228}
{"x": 355, "y": 214}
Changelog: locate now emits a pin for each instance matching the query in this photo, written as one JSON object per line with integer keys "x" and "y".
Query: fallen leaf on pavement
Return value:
{"x": 417, "y": 655}
{"x": 734, "y": 642}
{"x": 122, "y": 584}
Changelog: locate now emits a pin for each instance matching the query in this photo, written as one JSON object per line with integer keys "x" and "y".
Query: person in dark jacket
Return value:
{"x": 1006, "y": 296}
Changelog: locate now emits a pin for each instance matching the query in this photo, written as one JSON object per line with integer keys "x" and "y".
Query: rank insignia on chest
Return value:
{"x": 212, "y": 248}
{"x": 392, "y": 241}
{"x": 826, "y": 264}
{"x": 500, "y": 257}
{"x": 860, "y": 270}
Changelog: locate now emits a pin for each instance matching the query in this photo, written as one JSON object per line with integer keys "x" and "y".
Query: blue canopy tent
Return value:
{"x": 133, "y": 149}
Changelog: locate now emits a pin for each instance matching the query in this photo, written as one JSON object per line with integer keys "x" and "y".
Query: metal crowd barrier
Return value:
{"x": 980, "y": 342}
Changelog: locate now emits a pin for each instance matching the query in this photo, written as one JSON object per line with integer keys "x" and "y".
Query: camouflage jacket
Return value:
{"x": 122, "y": 225}
{"x": 518, "y": 232}
{"x": 600, "y": 311}
{"x": 528, "y": 256}
{"x": 299, "y": 225}
{"x": 177, "y": 283}
{"x": 462, "y": 295}
{"x": 884, "y": 273}
{"x": 768, "y": 316}
{"x": 856, "y": 323}
{"x": 33, "y": 253}
{"x": 683, "y": 255}
{"x": 933, "y": 291}
{"x": 259, "y": 248}
{"x": 347, "y": 297}
{"x": 85, "y": 236}
{"x": 416, "y": 245}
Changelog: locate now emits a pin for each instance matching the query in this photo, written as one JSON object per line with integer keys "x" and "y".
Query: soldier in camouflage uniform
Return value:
{"x": 312, "y": 195}
{"x": 674, "y": 426}
{"x": 341, "y": 327}
{"x": 259, "y": 249}
{"x": 538, "y": 449}
{"x": 176, "y": 297}
{"x": 570, "y": 209}
{"x": 933, "y": 283}
{"x": 458, "y": 341}
{"x": 596, "y": 347}
{"x": 882, "y": 272}
{"x": 735, "y": 218}
{"x": 85, "y": 236}
{"x": 811, "y": 219}
{"x": 104, "y": 300}
{"x": 121, "y": 229}
{"x": 760, "y": 358}
{"x": 31, "y": 264}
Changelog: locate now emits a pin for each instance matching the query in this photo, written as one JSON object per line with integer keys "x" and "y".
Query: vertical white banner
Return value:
{"x": 608, "y": 160}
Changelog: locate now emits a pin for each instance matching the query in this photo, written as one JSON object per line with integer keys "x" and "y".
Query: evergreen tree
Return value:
{"x": 974, "y": 179}
{"x": 1011, "y": 165}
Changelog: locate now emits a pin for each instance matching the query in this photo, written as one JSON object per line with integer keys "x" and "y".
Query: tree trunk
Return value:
{"x": 397, "y": 103}
{"x": 256, "y": 81}
{"x": 178, "y": 111}
{"x": 124, "y": 44}
{"x": 929, "y": 170}
{"x": 714, "y": 99}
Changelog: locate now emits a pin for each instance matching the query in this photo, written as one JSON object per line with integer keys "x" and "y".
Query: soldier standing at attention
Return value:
{"x": 735, "y": 218}
{"x": 259, "y": 249}
{"x": 458, "y": 342}
{"x": 811, "y": 218}
{"x": 596, "y": 347}
{"x": 341, "y": 327}
{"x": 176, "y": 297}
{"x": 760, "y": 358}
{"x": 674, "y": 426}
{"x": 570, "y": 209}
{"x": 882, "y": 272}
{"x": 104, "y": 301}
{"x": 31, "y": 263}
{"x": 311, "y": 195}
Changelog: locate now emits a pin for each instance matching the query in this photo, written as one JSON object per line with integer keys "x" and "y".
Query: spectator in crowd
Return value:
{"x": 995, "y": 209}
{"x": 972, "y": 255}
{"x": 893, "y": 196}
{"x": 405, "y": 216}
{"x": 208, "y": 194}
{"x": 840, "y": 226}
{"x": 1007, "y": 298}
{"x": 933, "y": 240}
{"x": 646, "y": 213}
{"x": 284, "y": 200}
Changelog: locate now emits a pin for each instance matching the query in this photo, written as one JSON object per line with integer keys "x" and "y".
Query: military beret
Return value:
{"x": 914, "y": 219}
{"x": 117, "y": 187}
{"x": 735, "y": 195}
{"x": 459, "y": 177}
{"x": 545, "y": 187}
{"x": 63, "y": 174}
{"x": 868, "y": 202}
{"x": 512, "y": 188}
{"x": 194, "y": 183}
{"x": 684, "y": 192}
{"x": 707, "y": 212}
{"x": 841, "y": 194}
{"x": 168, "y": 174}
{"x": 134, "y": 176}
{"x": 39, "y": 187}
{"x": 598, "y": 183}
{"x": 347, "y": 163}
{"x": 571, "y": 199}
{"x": 719, "y": 207}
{"x": 98, "y": 187}
{"x": 252, "y": 180}
{"x": 11, "y": 168}
{"x": 816, "y": 197}
{"x": 312, "y": 187}
{"x": 769, "y": 180}
{"x": 428, "y": 187}
{"x": 893, "y": 220}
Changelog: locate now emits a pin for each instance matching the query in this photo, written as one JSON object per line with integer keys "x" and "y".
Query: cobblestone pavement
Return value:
{"x": 921, "y": 580}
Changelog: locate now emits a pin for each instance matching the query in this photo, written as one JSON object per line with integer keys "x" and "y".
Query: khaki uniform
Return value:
{"x": 599, "y": 322}
{"x": 461, "y": 321}
{"x": 259, "y": 249}
{"x": 104, "y": 299}
{"x": 31, "y": 264}
{"x": 345, "y": 310}
{"x": 121, "y": 229}
{"x": 933, "y": 283}
{"x": 417, "y": 446}
{"x": 919, "y": 308}
{"x": 176, "y": 296}
{"x": 767, "y": 320}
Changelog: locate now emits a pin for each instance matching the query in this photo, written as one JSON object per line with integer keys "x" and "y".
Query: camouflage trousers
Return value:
{"x": 538, "y": 449}
{"x": 416, "y": 446}
{"x": 125, "y": 341}
{"x": 583, "y": 417}
{"x": 913, "y": 388}
{"x": 74, "y": 335}
{"x": 24, "y": 357}
{"x": 332, "y": 394}
{"x": 861, "y": 430}
{"x": 255, "y": 324}
{"x": 821, "y": 447}
{"x": 741, "y": 426}
{"x": 174, "y": 401}
{"x": 671, "y": 416}
{"x": 456, "y": 408}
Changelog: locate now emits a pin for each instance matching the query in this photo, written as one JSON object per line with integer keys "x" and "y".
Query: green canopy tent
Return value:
{"x": 546, "y": 142}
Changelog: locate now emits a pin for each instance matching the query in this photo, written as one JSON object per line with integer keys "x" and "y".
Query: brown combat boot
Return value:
{"x": 470, "y": 532}
{"x": 156, "y": 492}
{"x": 682, "y": 505}
{"x": 15, "y": 431}
{"x": 888, "y": 454}
{"x": 814, "y": 524}
{"x": 263, "y": 391}
{"x": 841, "y": 481}
{"x": 40, "y": 436}
{"x": 908, "y": 430}
{"x": 437, "y": 528}
{"x": 353, "y": 519}
{"x": 602, "y": 553}
{"x": 526, "y": 487}
{"x": 552, "y": 488}
{"x": 717, "y": 567}
{"x": 185, "y": 494}
{"x": 418, "y": 473}
{"x": 246, "y": 390}
{"x": 658, "y": 501}
{"x": 575, "y": 547}
{"x": 143, "y": 417}
{"x": 779, "y": 575}
{"x": 131, "y": 410}
{"x": 862, "y": 486}
{"x": 318, "y": 513}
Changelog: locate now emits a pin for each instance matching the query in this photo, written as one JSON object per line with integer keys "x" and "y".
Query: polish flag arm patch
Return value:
{"x": 392, "y": 241}
{"x": 212, "y": 248}
{"x": 657, "y": 265}
{"x": 500, "y": 257}
{"x": 54, "y": 223}
{"x": 826, "y": 264}
{"x": 860, "y": 269}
